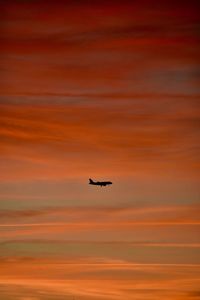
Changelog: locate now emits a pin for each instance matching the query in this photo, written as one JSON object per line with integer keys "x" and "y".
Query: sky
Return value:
{"x": 107, "y": 90}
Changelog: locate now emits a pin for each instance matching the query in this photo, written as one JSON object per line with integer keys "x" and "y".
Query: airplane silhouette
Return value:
{"x": 101, "y": 183}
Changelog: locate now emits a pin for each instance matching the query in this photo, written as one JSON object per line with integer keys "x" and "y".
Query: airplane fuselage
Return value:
{"x": 100, "y": 183}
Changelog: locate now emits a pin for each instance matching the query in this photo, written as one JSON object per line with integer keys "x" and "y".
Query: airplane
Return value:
{"x": 101, "y": 183}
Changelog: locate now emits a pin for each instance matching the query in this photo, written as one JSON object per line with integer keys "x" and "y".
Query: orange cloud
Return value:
{"x": 141, "y": 138}
{"x": 185, "y": 214}
{"x": 88, "y": 280}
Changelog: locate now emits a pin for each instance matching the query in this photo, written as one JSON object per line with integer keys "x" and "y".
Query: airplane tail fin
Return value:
{"x": 91, "y": 181}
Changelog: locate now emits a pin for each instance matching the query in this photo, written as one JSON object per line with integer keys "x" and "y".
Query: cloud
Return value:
{"x": 137, "y": 214}
{"x": 160, "y": 137}
{"x": 88, "y": 279}
{"x": 156, "y": 234}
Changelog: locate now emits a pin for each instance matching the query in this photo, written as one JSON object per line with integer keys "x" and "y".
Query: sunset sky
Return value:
{"x": 107, "y": 90}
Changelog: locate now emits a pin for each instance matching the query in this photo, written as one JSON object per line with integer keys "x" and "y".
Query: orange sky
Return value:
{"x": 107, "y": 90}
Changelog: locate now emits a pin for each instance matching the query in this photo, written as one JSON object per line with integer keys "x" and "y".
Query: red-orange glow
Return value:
{"x": 107, "y": 90}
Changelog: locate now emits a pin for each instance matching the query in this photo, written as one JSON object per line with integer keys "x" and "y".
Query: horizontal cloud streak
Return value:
{"x": 148, "y": 280}
{"x": 158, "y": 135}
{"x": 136, "y": 213}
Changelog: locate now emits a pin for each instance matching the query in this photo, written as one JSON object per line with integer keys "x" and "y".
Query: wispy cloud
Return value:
{"x": 119, "y": 279}
{"x": 160, "y": 137}
{"x": 137, "y": 214}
